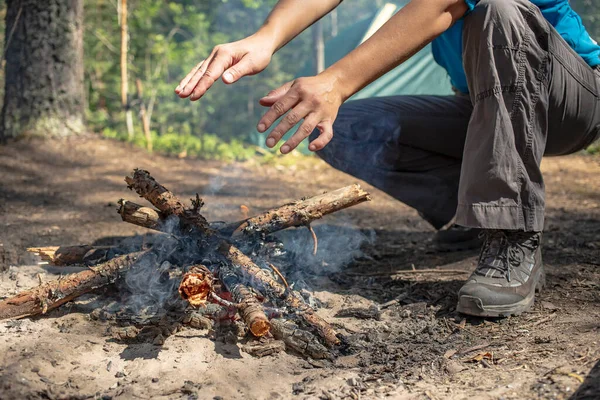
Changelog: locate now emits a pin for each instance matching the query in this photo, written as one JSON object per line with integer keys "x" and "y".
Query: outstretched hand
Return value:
{"x": 315, "y": 101}
{"x": 230, "y": 61}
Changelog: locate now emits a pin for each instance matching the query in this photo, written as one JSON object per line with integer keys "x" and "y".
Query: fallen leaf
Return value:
{"x": 480, "y": 356}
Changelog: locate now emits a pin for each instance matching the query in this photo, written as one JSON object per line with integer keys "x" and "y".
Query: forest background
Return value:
{"x": 166, "y": 39}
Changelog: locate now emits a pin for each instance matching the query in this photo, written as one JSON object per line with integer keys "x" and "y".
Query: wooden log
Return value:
{"x": 147, "y": 187}
{"x": 259, "y": 277}
{"x": 299, "y": 213}
{"x": 249, "y": 307}
{"x": 71, "y": 255}
{"x": 146, "y": 217}
{"x": 166, "y": 202}
{"x": 296, "y": 339}
{"x": 50, "y": 295}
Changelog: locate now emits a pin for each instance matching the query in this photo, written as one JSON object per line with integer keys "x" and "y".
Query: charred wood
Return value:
{"x": 300, "y": 341}
{"x": 250, "y": 309}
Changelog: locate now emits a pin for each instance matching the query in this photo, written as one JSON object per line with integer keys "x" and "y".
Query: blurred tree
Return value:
{"x": 166, "y": 39}
{"x": 44, "y": 69}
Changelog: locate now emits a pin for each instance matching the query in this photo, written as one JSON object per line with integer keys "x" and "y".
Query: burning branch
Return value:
{"x": 196, "y": 285}
{"x": 295, "y": 214}
{"x": 257, "y": 295}
{"x": 250, "y": 308}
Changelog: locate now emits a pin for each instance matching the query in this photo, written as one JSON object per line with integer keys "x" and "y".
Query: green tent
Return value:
{"x": 418, "y": 75}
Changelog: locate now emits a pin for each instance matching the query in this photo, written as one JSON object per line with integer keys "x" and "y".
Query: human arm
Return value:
{"x": 251, "y": 55}
{"x": 316, "y": 100}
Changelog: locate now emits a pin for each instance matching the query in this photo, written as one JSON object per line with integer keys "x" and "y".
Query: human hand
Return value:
{"x": 316, "y": 100}
{"x": 232, "y": 61}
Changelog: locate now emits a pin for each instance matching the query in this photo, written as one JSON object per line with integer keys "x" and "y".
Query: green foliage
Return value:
{"x": 166, "y": 39}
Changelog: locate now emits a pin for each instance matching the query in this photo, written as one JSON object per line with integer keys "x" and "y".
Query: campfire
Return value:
{"x": 225, "y": 271}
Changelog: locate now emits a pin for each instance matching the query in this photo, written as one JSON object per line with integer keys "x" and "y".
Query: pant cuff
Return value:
{"x": 500, "y": 217}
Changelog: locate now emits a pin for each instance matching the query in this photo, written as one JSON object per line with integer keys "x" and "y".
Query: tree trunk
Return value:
{"x": 44, "y": 91}
{"x": 318, "y": 47}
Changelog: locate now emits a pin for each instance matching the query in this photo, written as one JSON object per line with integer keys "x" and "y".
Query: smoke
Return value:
{"x": 152, "y": 284}
{"x": 340, "y": 243}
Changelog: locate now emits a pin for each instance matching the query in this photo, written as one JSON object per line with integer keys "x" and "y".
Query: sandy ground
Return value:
{"x": 54, "y": 193}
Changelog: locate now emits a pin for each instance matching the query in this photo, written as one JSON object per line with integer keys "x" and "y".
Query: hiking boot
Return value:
{"x": 508, "y": 273}
{"x": 457, "y": 238}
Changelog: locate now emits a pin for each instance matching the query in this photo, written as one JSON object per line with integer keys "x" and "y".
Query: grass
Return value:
{"x": 206, "y": 147}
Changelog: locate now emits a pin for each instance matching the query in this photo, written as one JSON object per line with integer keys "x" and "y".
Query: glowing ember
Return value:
{"x": 196, "y": 285}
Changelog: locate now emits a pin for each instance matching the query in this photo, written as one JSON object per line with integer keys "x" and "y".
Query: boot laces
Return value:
{"x": 504, "y": 251}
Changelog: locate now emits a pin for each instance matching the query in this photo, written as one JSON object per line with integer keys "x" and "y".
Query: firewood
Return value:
{"x": 160, "y": 197}
{"x": 50, "y": 295}
{"x": 141, "y": 216}
{"x": 300, "y": 341}
{"x": 71, "y": 255}
{"x": 261, "y": 278}
{"x": 250, "y": 308}
{"x": 262, "y": 349}
{"x": 299, "y": 213}
{"x": 196, "y": 285}
{"x": 166, "y": 202}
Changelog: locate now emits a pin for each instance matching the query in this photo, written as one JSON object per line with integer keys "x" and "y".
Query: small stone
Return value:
{"x": 119, "y": 374}
{"x": 154, "y": 380}
{"x": 158, "y": 340}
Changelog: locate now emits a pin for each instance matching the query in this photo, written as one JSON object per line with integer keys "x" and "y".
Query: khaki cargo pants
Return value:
{"x": 477, "y": 156}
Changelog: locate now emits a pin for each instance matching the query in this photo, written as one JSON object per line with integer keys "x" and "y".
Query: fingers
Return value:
{"x": 324, "y": 138}
{"x": 302, "y": 133}
{"x": 275, "y": 95}
{"x": 292, "y": 118}
{"x": 188, "y": 77}
{"x": 190, "y": 85}
{"x": 213, "y": 71}
{"x": 280, "y": 107}
{"x": 242, "y": 68}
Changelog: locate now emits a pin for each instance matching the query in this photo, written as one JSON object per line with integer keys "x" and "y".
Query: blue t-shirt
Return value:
{"x": 447, "y": 48}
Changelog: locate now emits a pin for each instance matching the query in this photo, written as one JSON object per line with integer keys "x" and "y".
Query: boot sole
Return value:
{"x": 473, "y": 306}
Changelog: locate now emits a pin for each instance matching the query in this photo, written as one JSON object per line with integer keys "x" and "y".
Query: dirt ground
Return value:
{"x": 54, "y": 193}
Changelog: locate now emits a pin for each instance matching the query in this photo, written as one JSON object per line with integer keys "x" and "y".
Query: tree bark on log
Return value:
{"x": 299, "y": 213}
{"x": 72, "y": 255}
{"x": 295, "y": 214}
{"x": 146, "y": 217}
{"x": 250, "y": 309}
{"x": 166, "y": 202}
{"x": 298, "y": 340}
{"x": 53, "y": 294}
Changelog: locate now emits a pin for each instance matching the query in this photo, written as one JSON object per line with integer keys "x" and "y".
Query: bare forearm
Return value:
{"x": 290, "y": 17}
{"x": 413, "y": 27}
